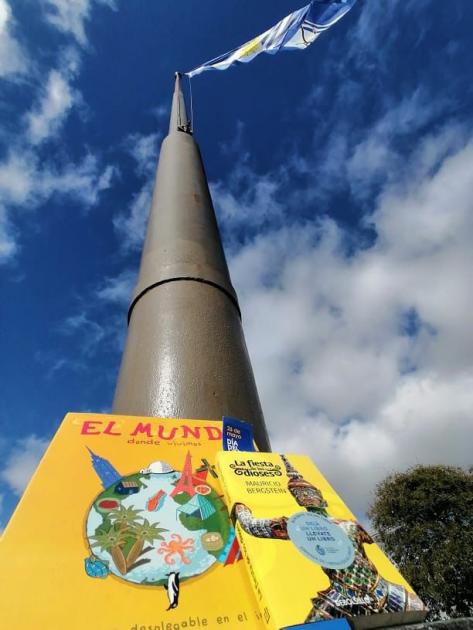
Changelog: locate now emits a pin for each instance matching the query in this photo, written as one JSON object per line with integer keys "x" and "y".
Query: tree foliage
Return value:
{"x": 424, "y": 520}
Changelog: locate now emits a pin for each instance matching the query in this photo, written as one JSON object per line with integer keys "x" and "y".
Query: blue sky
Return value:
{"x": 342, "y": 178}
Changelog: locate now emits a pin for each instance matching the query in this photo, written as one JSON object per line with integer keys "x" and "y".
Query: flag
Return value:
{"x": 296, "y": 31}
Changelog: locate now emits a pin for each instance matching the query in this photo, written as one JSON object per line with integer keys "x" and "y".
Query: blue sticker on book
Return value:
{"x": 237, "y": 435}
{"x": 320, "y": 540}
{"x": 331, "y": 624}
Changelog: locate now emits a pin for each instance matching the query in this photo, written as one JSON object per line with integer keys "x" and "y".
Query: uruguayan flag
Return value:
{"x": 297, "y": 30}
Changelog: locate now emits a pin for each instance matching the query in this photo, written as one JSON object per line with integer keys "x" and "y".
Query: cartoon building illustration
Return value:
{"x": 107, "y": 474}
{"x": 185, "y": 483}
{"x": 198, "y": 506}
{"x": 127, "y": 487}
{"x": 206, "y": 467}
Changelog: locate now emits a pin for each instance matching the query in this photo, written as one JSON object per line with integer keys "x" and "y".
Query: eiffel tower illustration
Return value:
{"x": 185, "y": 483}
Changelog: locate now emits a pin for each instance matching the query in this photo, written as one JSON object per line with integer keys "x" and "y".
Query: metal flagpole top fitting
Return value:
{"x": 179, "y": 119}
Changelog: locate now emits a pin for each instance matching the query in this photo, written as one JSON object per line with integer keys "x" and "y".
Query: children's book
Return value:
{"x": 309, "y": 559}
{"x": 124, "y": 527}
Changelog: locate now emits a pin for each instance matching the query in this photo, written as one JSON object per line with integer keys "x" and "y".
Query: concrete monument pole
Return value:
{"x": 185, "y": 353}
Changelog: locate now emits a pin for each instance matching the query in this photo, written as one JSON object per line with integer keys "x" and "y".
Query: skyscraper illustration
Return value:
{"x": 107, "y": 474}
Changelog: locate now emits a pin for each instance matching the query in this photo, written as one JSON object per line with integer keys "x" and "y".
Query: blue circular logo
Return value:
{"x": 320, "y": 540}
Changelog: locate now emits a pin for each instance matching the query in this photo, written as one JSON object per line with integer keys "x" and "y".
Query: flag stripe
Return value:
{"x": 316, "y": 17}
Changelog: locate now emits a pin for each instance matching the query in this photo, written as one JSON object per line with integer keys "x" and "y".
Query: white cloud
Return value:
{"x": 374, "y": 158}
{"x": 117, "y": 289}
{"x": 144, "y": 150}
{"x": 247, "y": 200}
{"x": 26, "y": 183}
{"x": 70, "y": 16}
{"x": 8, "y": 245}
{"x": 56, "y": 101}
{"x": 361, "y": 157}
{"x": 23, "y": 180}
{"x": 13, "y": 60}
{"x": 91, "y": 332}
{"x": 427, "y": 420}
{"x": 235, "y": 147}
{"x": 378, "y": 30}
{"x": 100, "y": 326}
{"x": 161, "y": 111}
{"x": 16, "y": 177}
{"x": 21, "y": 462}
{"x": 370, "y": 351}
{"x": 83, "y": 181}
{"x": 26, "y": 180}
{"x": 131, "y": 226}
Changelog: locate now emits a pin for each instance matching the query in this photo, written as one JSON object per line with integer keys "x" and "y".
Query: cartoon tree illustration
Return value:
{"x": 144, "y": 533}
{"x": 112, "y": 541}
{"x": 125, "y": 518}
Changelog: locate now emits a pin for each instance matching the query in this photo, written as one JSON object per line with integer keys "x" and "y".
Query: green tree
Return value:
{"x": 112, "y": 541}
{"x": 424, "y": 520}
{"x": 146, "y": 532}
{"x": 124, "y": 517}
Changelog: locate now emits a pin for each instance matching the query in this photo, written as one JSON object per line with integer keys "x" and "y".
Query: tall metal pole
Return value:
{"x": 185, "y": 354}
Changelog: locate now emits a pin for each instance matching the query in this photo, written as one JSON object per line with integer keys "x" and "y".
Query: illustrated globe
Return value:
{"x": 142, "y": 527}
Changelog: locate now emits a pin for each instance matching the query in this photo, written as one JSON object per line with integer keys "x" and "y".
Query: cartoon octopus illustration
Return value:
{"x": 176, "y": 546}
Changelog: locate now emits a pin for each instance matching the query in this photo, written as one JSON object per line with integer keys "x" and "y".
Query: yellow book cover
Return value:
{"x": 309, "y": 559}
{"x": 123, "y": 527}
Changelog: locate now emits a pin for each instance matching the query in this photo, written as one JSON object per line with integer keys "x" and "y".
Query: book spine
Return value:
{"x": 223, "y": 483}
{"x": 264, "y": 608}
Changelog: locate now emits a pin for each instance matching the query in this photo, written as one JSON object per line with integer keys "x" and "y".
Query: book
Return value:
{"x": 309, "y": 559}
{"x": 123, "y": 527}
